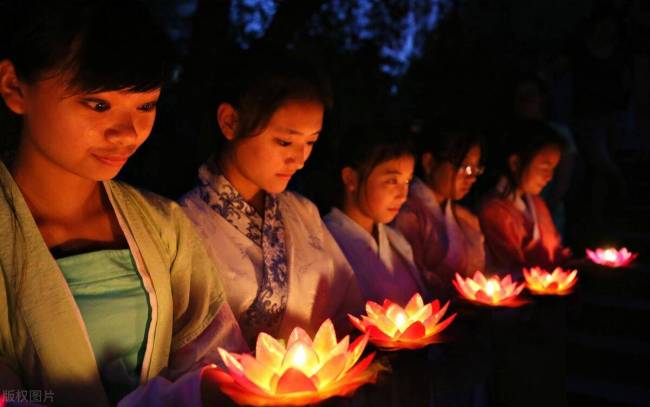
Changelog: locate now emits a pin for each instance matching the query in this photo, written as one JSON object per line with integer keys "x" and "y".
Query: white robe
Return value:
{"x": 321, "y": 282}
{"x": 384, "y": 267}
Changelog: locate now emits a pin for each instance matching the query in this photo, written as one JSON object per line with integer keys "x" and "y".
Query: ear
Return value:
{"x": 427, "y": 161}
{"x": 10, "y": 87}
{"x": 513, "y": 163}
{"x": 228, "y": 119}
{"x": 350, "y": 179}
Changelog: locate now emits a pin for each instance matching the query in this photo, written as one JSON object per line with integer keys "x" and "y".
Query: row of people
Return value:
{"x": 111, "y": 294}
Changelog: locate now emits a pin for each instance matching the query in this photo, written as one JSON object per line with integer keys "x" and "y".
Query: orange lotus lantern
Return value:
{"x": 559, "y": 282}
{"x": 611, "y": 257}
{"x": 492, "y": 291}
{"x": 391, "y": 327}
{"x": 303, "y": 372}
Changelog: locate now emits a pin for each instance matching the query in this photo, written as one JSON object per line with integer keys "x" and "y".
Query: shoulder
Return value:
{"x": 395, "y": 236}
{"x": 145, "y": 206}
{"x": 299, "y": 204}
{"x": 494, "y": 208}
{"x": 467, "y": 217}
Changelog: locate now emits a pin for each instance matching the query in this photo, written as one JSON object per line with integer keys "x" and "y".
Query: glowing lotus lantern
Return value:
{"x": 559, "y": 282}
{"x": 303, "y": 372}
{"x": 392, "y": 327}
{"x": 490, "y": 291}
{"x": 611, "y": 257}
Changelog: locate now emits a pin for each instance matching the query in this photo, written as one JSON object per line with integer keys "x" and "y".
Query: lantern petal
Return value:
{"x": 375, "y": 334}
{"x": 294, "y": 381}
{"x": 482, "y": 297}
{"x": 257, "y": 372}
{"x": 423, "y": 313}
{"x": 357, "y": 323}
{"x": 325, "y": 339}
{"x": 230, "y": 362}
{"x": 373, "y": 309}
{"x": 331, "y": 370}
{"x": 414, "y": 304}
{"x": 393, "y": 311}
{"x": 299, "y": 334}
{"x": 269, "y": 351}
{"x": 415, "y": 331}
{"x": 479, "y": 278}
{"x": 301, "y": 355}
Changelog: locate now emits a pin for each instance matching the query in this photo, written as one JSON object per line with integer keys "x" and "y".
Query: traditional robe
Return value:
{"x": 43, "y": 341}
{"x": 320, "y": 283}
{"x": 384, "y": 267}
{"x": 518, "y": 233}
{"x": 445, "y": 240}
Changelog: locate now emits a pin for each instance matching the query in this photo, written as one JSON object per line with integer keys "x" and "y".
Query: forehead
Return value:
{"x": 548, "y": 154}
{"x": 399, "y": 166}
{"x": 473, "y": 155}
{"x": 58, "y": 87}
{"x": 298, "y": 116}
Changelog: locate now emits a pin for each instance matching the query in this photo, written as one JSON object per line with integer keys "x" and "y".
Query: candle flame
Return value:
{"x": 299, "y": 358}
{"x": 491, "y": 287}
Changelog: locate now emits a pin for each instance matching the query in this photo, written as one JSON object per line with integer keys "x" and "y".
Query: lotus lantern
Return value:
{"x": 559, "y": 282}
{"x": 611, "y": 257}
{"x": 391, "y": 327}
{"x": 306, "y": 371}
{"x": 493, "y": 291}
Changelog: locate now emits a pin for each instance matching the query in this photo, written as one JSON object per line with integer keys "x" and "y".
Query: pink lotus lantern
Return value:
{"x": 611, "y": 257}
{"x": 559, "y": 282}
{"x": 303, "y": 372}
{"x": 491, "y": 291}
{"x": 391, "y": 327}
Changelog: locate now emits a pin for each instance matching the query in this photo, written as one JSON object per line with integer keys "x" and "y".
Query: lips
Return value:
{"x": 112, "y": 160}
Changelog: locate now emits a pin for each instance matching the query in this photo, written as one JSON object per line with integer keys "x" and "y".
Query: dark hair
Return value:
{"x": 99, "y": 45}
{"x": 525, "y": 139}
{"x": 257, "y": 83}
{"x": 448, "y": 142}
{"x": 364, "y": 147}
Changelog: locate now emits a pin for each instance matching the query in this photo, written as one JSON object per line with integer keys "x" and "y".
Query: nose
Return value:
{"x": 298, "y": 156}
{"x": 122, "y": 131}
{"x": 403, "y": 191}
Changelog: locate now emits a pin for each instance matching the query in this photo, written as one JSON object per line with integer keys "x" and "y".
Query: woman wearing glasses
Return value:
{"x": 446, "y": 237}
{"x": 515, "y": 219}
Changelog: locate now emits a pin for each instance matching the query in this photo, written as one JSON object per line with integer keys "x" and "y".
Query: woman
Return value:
{"x": 282, "y": 267}
{"x": 104, "y": 290}
{"x": 446, "y": 237}
{"x": 375, "y": 171}
{"x": 518, "y": 227}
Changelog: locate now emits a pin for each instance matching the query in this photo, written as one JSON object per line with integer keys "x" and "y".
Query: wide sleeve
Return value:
{"x": 425, "y": 245}
{"x": 345, "y": 283}
{"x": 503, "y": 236}
{"x": 549, "y": 234}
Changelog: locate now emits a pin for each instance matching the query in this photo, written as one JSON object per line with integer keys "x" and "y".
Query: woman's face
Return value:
{"x": 386, "y": 189}
{"x": 539, "y": 171}
{"x": 269, "y": 159}
{"x": 88, "y": 135}
{"x": 454, "y": 183}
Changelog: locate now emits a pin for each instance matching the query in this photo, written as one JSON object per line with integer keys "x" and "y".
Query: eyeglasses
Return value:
{"x": 470, "y": 170}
